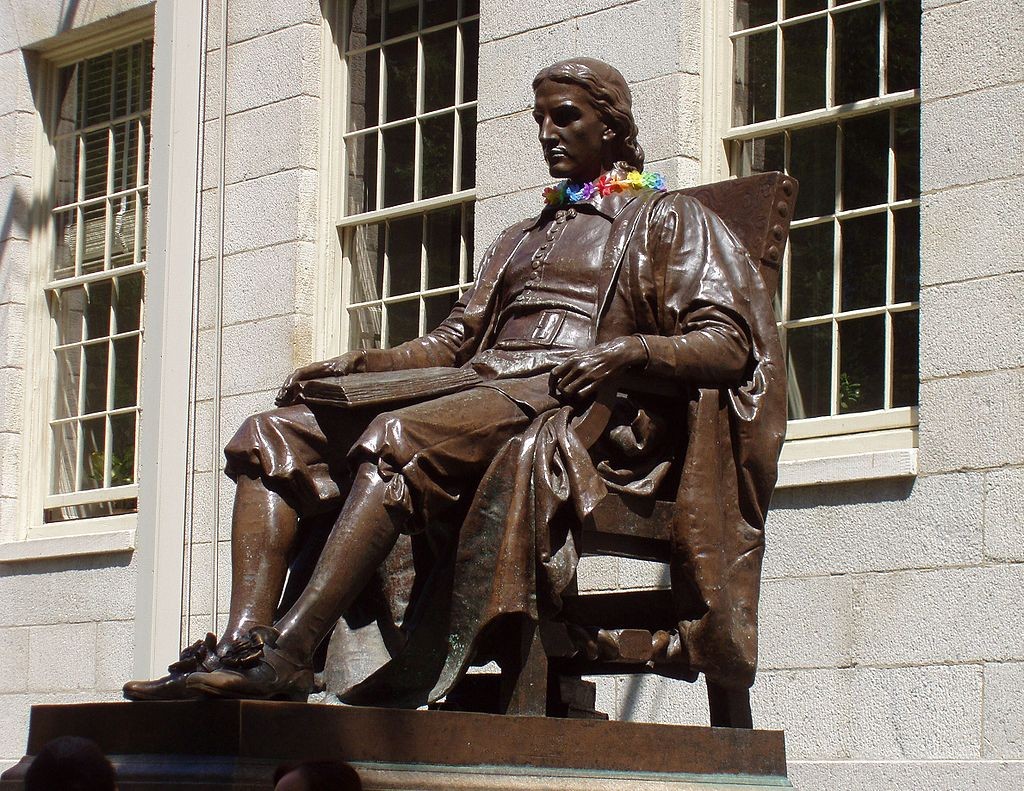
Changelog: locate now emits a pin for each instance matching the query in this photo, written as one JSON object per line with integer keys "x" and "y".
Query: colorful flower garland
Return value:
{"x": 573, "y": 192}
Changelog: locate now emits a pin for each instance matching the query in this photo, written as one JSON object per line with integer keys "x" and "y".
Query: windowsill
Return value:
{"x": 41, "y": 548}
{"x": 873, "y": 465}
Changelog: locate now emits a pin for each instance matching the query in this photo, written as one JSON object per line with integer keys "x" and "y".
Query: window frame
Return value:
{"x": 335, "y": 295}
{"x": 834, "y": 448}
{"x": 32, "y": 536}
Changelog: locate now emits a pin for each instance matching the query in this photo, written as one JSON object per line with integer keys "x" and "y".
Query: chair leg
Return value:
{"x": 729, "y": 707}
{"x": 524, "y": 684}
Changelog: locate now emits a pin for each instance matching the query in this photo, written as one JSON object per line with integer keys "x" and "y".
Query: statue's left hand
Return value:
{"x": 581, "y": 375}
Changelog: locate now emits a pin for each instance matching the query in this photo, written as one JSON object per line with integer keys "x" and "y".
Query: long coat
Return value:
{"x": 672, "y": 271}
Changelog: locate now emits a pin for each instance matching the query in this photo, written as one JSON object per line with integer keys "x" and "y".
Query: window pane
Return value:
{"x": 97, "y": 311}
{"x": 798, "y": 7}
{"x": 856, "y": 54}
{"x": 65, "y": 234}
{"x": 470, "y": 49}
{"x": 362, "y": 173}
{"x": 813, "y": 164}
{"x": 804, "y": 85}
{"x": 861, "y": 364}
{"x": 905, "y": 335}
{"x": 65, "y": 458}
{"x": 128, "y": 303}
{"x": 467, "y": 236}
{"x": 364, "y": 88}
{"x": 400, "y": 61}
{"x": 403, "y": 322}
{"x": 122, "y": 246}
{"x": 93, "y": 460}
{"x": 866, "y": 161}
{"x": 94, "y": 233}
{"x": 125, "y": 156}
{"x": 809, "y": 351}
{"x": 364, "y": 328}
{"x": 751, "y": 13}
{"x": 95, "y": 392}
{"x": 908, "y": 254}
{"x": 438, "y": 153}
{"x": 908, "y": 152}
{"x": 811, "y": 271}
{"x": 66, "y": 99}
{"x": 126, "y": 371}
{"x": 903, "y": 53}
{"x": 437, "y": 309}
{"x": 66, "y": 169}
{"x": 470, "y": 7}
{"x": 364, "y": 23}
{"x": 142, "y": 233}
{"x": 96, "y": 78}
{"x": 69, "y": 310}
{"x": 404, "y": 248}
{"x": 367, "y": 255}
{"x": 399, "y": 152}
{"x": 439, "y": 68}
{"x": 443, "y": 248}
{"x": 468, "y": 120}
{"x": 754, "y": 74}
{"x": 96, "y": 147}
{"x": 762, "y": 155}
{"x": 122, "y": 456}
{"x": 435, "y": 12}
{"x": 402, "y": 17}
{"x": 127, "y": 78}
{"x": 864, "y": 244}
{"x": 68, "y": 364}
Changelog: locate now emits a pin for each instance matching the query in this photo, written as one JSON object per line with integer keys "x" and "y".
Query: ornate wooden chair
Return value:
{"x": 544, "y": 677}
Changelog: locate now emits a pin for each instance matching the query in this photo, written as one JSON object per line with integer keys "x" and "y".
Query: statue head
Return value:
{"x": 583, "y": 107}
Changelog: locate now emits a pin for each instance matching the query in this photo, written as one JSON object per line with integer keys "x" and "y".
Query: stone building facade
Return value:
{"x": 892, "y": 645}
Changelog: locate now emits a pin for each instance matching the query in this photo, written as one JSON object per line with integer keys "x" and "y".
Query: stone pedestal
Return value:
{"x": 208, "y": 745}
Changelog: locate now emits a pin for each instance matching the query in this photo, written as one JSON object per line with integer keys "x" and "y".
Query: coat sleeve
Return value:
{"x": 699, "y": 279}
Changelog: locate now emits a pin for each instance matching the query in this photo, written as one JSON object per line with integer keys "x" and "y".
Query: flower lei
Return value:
{"x": 573, "y": 192}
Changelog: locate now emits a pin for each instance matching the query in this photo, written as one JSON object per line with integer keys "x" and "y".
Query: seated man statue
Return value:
{"x": 614, "y": 276}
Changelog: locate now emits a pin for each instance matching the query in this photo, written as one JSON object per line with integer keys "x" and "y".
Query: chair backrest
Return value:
{"x": 758, "y": 209}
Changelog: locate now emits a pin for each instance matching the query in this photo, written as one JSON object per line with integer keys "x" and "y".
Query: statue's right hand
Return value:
{"x": 347, "y": 363}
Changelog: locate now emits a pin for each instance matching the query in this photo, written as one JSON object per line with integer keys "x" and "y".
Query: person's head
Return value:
{"x": 583, "y": 108}
{"x": 70, "y": 763}
{"x": 317, "y": 776}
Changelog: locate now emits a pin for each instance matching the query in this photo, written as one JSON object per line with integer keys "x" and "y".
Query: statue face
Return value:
{"x": 571, "y": 131}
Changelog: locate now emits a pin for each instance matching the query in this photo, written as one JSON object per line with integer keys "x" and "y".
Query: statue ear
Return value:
{"x": 608, "y": 134}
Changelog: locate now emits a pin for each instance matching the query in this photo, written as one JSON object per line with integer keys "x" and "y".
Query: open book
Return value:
{"x": 385, "y": 387}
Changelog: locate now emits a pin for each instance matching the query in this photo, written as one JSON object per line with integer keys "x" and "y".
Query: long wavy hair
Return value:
{"x": 611, "y": 96}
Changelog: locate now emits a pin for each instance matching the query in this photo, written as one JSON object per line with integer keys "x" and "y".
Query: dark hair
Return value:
{"x": 70, "y": 763}
{"x": 609, "y": 93}
{"x": 323, "y": 775}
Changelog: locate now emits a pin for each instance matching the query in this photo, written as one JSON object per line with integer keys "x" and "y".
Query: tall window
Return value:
{"x": 827, "y": 90}
{"x": 100, "y": 136}
{"x": 410, "y": 149}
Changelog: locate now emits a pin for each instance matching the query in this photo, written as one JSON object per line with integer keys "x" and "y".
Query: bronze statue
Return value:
{"x": 492, "y": 481}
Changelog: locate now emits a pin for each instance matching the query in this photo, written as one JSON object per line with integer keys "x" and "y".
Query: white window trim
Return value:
{"x": 860, "y": 446}
{"x": 30, "y": 538}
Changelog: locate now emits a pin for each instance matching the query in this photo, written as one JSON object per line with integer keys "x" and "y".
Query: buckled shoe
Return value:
{"x": 201, "y": 656}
